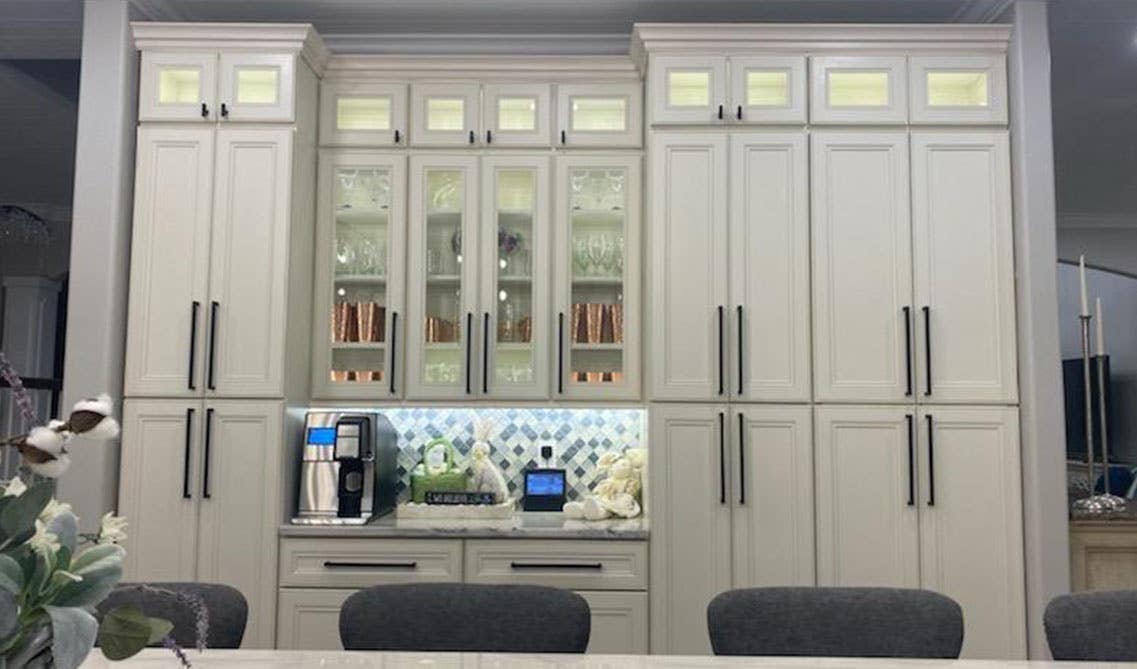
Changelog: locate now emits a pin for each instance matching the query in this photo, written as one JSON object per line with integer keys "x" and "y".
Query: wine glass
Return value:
{"x": 580, "y": 253}
{"x": 596, "y": 253}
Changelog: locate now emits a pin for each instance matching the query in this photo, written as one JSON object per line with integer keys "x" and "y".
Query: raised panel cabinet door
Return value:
{"x": 158, "y": 476}
{"x": 690, "y": 558}
{"x": 257, "y": 87}
{"x": 514, "y": 275}
{"x": 772, "y": 518}
{"x": 767, "y": 89}
{"x": 958, "y": 90}
{"x": 867, "y": 496}
{"x": 688, "y": 89}
{"x": 442, "y": 277}
{"x": 769, "y": 267}
{"x": 599, "y": 115}
{"x": 178, "y": 86}
{"x": 869, "y": 90}
{"x": 249, "y": 263}
{"x": 862, "y": 267}
{"x": 169, "y": 264}
{"x": 445, "y": 114}
{"x": 357, "y": 337}
{"x": 971, "y": 523}
{"x": 596, "y": 262}
{"x": 619, "y": 622}
{"x": 964, "y": 267}
{"x": 309, "y": 618}
{"x": 363, "y": 114}
{"x": 239, "y": 490}
{"x": 516, "y": 114}
{"x": 688, "y": 285}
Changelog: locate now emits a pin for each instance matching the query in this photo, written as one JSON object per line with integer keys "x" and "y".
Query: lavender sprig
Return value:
{"x": 171, "y": 645}
{"x": 19, "y": 392}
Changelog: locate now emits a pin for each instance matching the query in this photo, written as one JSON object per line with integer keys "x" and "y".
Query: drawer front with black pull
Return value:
{"x": 577, "y": 565}
{"x": 358, "y": 563}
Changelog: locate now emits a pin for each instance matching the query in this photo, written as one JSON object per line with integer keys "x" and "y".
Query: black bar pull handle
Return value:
{"x": 471, "y": 136}
{"x": 722, "y": 369}
{"x": 722, "y": 458}
{"x": 208, "y": 439}
{"x": 394, "y": 349}
{"x": 186, "y": 494}
{"x": 194, "y": 308}
{"x": 489, "y": 137}
{"x": 396, "y": 136}
{"x": 213, "y": 307}
{"x": 334, "y": 564}
{"x": 224, "y": 111}
{"x": 564, "y": 137}
{"x": 561, "y": 353}
{"x": 720, "y": 112}
{"x": 931, "y": 460}
{"x": 927, "y": 351}
{"x": 908, "y": 350}
{"x": 739, "y": 114}
{"x": 486, "y": 353}
{"x": 469, "y": 334}
{"x": 556, "y": 565}
{"x": 911, "y": 461}
{"x": 204, "y": 110}
{"x": 740, "y": 329}
{"x": 741, "y": 459}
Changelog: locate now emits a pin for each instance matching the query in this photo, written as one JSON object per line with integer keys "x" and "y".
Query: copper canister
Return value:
{"x": 579, "y": 321}
{"x": 365, "y": 316}
{"x": 606, "y": 336}
{"x": 617, "y": 314}
{"x": 594, "y": 315}
{"x": 525, "y": 330}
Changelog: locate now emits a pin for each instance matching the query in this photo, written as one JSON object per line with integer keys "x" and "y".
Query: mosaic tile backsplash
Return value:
{"x": 580, "y": 436}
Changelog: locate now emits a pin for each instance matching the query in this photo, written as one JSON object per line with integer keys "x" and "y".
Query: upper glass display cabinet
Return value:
{"x": 858, "y": 89}
{"x": 597, "y": 115}
{"x": 958, "y": 89}
{"x": 767, "y": 89}
{"x": 516, "y": 114}
{"x": 445, "y": 114}
{"x": 205, "y": 86}
{"x": 354, "y": 114}
{"x": 688, "y": 89}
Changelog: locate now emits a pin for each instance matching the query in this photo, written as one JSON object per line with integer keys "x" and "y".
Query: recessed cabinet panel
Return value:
{"x": 176, "y": 86}
{"x": 599, "y": 115}
{"x": 859, "y": 89}
{"x": 256, "y": 87}
{"x": 958, "y": 90}
{"x": 516, "y": 114}
{"x": 767, "y": 89}
{"x": 309, "y": 618}
{"x": 363, "y": 114}
{"x": 688, "y": 89}
{"x": 445, "y": 114}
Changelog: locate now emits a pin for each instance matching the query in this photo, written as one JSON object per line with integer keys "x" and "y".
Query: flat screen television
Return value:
{"x": 1074, "y": 385}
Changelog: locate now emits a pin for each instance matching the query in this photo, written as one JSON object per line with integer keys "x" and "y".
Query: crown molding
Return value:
{"x": 982, "y": 11}
{"x": 479, "y": 43}
{"x": 298, "y": 38}
{"x": 1085, "y": 221}
{"x": 457, "y": 68}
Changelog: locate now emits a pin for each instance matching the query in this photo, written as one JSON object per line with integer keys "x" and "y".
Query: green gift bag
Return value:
{"x": 437, "y": 471}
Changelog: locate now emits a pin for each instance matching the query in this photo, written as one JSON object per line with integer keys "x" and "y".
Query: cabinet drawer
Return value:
{"x": 358, "y": 563}
{"x": 575, "y": 565}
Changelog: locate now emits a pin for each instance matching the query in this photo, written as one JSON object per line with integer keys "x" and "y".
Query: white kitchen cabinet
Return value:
{"x": 688, "y": 89}
{"x": 958, "y": 90}
{"x": 767, "y": 89}
{"x": 862, "y": 267}
{"x": 963, "y": 259}
{"x": 870, "y": 90}
{"x": 600, "y": 115}
{"x": 691, "y": 523}
{"x": 688, "y": 277}
{"x": 256, "y": 86}
{"x": 516, "y": 114}
{"x": 619, "y": 622}
{"x": 445, "y": 114}
{"x": 867, "y": 513}
{"x": 169, "y": 272}
{"x": 363, "y": 114}
{"x": 309, "y": 618}
{"x": 596, "y": 264}
{"x": 358, "y": 336}
{"x": 357, "y": 562}
{"x": 178, "y": 86}
{"x": 772, "y": 505}
{"x": 200, "y": 483}
{"x": 768, "y": 267}
{"x": 971, "y": 544}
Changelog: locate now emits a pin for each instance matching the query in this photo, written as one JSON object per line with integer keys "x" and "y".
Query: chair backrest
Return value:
{"x": 835, "y": 622}
{"x": 225, "y": 608}
{"x": 461, "y": 617}
{"x": 1093, "y": 626}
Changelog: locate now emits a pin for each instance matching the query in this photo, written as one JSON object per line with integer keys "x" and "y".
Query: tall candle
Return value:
{"x": 1082, "y": 280}
{"x": 1101, "y": 330}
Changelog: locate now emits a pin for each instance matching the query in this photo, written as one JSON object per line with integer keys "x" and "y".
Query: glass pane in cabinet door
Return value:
{"x": 513, "y": 350}
{"x": 362, "y": 201}
{"x": 442, "y": 328}
{"x": 598, "y": 204}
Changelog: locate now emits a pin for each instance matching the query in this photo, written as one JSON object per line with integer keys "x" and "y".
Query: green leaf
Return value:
{"x": 65, "y": 526}
{"x": 98, "y": 581}
{"x": 72, "y": 635}
{"x": 96, "y": 555}
{"x": 21, "y": 513}
{"x": 159, "y": 628}
{"x": 9, "y": 613}
{"x": 63, "y": 558}
{"x": 45, "y": 564}
{"x": 123, "y": 632}
{"x": 11, "y": 575}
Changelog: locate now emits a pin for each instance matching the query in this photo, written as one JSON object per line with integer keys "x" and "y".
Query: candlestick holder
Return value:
{"x": 1114, "y": 502}
{"x": 1091, "y": 504}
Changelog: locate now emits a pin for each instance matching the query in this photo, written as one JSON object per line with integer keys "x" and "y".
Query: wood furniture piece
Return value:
{"x": 1103, "y": 553}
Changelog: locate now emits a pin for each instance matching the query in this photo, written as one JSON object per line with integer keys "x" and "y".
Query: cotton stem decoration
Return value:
{"x": 618, "y": 492}
{"x": 44, "y": 448}
{"x": 487, "y": 476}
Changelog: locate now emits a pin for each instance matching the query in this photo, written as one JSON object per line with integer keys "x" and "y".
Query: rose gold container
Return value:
{"x": 365, "y": 316}
{"x": 617, "y": 314}
{"x": 579, "y": 333}
{"x": 338, "y": 376}
{"x": 606, "y": 324}
{"x": 594, "y": 314}
{"x": 525, "y": 330}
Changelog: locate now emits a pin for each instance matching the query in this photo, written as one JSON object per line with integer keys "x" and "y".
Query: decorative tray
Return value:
{"x": 413, "y": 511}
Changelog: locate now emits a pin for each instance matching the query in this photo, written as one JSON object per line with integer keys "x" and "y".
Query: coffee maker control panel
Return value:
{"x": 347, "y": 440}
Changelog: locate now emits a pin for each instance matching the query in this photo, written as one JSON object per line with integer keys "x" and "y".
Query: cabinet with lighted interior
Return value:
{"x": 363, "y": 114}
{"x": 473, "y": 114}
{"x": 858, "y": 90}
{"x": 599, "y": 115}
{"x": 736, "y": 89}
{"x": 958, "y": 90}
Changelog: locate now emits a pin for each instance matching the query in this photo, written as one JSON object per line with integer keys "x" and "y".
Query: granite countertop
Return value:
{"x": 523, "y": 525}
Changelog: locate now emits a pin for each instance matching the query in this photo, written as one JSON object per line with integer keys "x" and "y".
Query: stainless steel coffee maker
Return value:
{"x": 348, "y": 469}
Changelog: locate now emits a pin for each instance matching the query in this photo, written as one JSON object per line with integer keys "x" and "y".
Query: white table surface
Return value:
{"x": 264, "y": 659}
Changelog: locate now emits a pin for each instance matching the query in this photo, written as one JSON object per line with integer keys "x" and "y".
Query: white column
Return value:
{"x": 1040, "y": 374}
{"x": 100, "y": 242}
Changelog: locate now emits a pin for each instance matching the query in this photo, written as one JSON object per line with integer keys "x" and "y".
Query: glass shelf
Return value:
{"x": 597, "y": 347}
{"x": 362, "y": 345}
{"x": 361, "y": 278}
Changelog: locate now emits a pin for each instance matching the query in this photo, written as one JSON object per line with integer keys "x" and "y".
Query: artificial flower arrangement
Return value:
{"x": 51, "y": 576}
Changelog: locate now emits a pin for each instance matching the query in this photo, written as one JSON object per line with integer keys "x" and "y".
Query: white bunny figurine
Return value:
{"x": 487, "y": 477}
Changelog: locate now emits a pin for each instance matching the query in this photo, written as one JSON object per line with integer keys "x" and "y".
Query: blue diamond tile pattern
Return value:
{"x": 580, "y": 436}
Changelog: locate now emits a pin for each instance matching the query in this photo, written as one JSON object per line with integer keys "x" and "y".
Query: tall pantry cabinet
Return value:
{"x": 830, "y": 319}
{"x": 220, "y": 300}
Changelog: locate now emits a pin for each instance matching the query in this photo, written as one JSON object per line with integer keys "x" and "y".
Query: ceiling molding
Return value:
{"x": 159, "y": 10}
{"x": 479, "y": 43}
{"x": 1084, "y": 221}
{"x": 473, "y": 66}
{"x": 981, "y": 11}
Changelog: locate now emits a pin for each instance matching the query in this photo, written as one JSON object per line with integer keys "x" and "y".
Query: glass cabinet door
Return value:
{"x": 516, "y": 114}
{"x": 767, "y": 89}
{"x": 514, "y": 277}
{"x": 598, "y": 293}
{"x": 445, "y": 114}
{"x": 359, "y": 270}
{"x": 442, "y": 275}
{"x": 600, "y": 114}
{"x": 256, "y": 87}
{"x": 354, "y": 114}
{"x": 858, "y": 89}
{"x": 958, "y": 90}
{"x": 176, "y": 86}
{"x": 688, "y": 89}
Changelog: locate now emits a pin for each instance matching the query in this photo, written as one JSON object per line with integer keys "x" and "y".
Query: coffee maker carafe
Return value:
{"x": 348, "y": 468}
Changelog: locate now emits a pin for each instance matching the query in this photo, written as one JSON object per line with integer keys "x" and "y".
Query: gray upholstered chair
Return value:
{"x": 225, "y": 607}
{"x": 1093, "y": 626}
{"x": 461, "y": 617}
{"x": 835, "y": 622}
